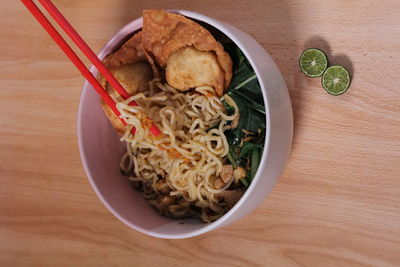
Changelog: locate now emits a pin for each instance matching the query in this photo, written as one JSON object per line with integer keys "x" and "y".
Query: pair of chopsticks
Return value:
{"x": 70, "y": 31}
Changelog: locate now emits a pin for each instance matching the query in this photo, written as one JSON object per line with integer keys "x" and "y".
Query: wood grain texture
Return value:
{"x": 337, "y": 203}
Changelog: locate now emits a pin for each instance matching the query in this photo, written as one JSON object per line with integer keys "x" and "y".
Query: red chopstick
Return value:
{"x": 67, "y": 27}
{"x": 77, "y": 39}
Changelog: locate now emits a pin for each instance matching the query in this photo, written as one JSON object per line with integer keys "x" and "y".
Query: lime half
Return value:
{"x": 313, "y": 62}
{"x": 336, "y": 80}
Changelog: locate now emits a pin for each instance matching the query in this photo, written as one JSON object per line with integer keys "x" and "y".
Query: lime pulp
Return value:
{"x": 336, "y": 80}
{"x": 313, "y": 62}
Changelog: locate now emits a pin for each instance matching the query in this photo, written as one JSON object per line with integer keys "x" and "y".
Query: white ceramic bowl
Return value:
{"x": 101, "y": 149}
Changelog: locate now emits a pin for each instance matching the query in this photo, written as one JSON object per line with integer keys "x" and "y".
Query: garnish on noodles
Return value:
{"x": 205, "y": 99}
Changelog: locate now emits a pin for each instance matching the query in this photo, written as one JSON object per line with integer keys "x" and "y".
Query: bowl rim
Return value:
{"x": 207, "y": 226}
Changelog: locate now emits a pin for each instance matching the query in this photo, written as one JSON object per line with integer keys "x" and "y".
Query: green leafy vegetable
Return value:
{"x": 244, "y": 182}
{"x": 246, "y": 92}
{"x": 244, "y": 79}
{"x": 252, "y": 104}
{"x": 250, "y": 119}
{"x": 232, "y": 158}
{"x": 248, "y": 147}
{"x": 255, "y": 161}
{"x": 246, "y": 140}
{"x": 229, "y": 109}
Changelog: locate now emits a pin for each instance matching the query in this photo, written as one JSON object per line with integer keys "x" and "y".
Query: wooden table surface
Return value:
{"x": 336, "y": 204}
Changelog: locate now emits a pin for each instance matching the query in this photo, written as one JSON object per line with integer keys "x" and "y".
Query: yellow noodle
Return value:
{"x": 187, "y": 154}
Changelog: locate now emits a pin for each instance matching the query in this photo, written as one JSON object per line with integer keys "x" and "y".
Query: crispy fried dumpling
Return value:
{"x": 134, "y": 77}
{"x": 130, "y": 52}
{"x": 165, "y": 33}
{"x": 188, "y": 68}
{"x": 129, "y": 66}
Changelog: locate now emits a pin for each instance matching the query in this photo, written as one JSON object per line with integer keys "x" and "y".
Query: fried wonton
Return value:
{"x": 189, "y": 67}
{"x": 129, "y": 66}
{"x": 130, "y": 52}
{"x": 165, "y": 33}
